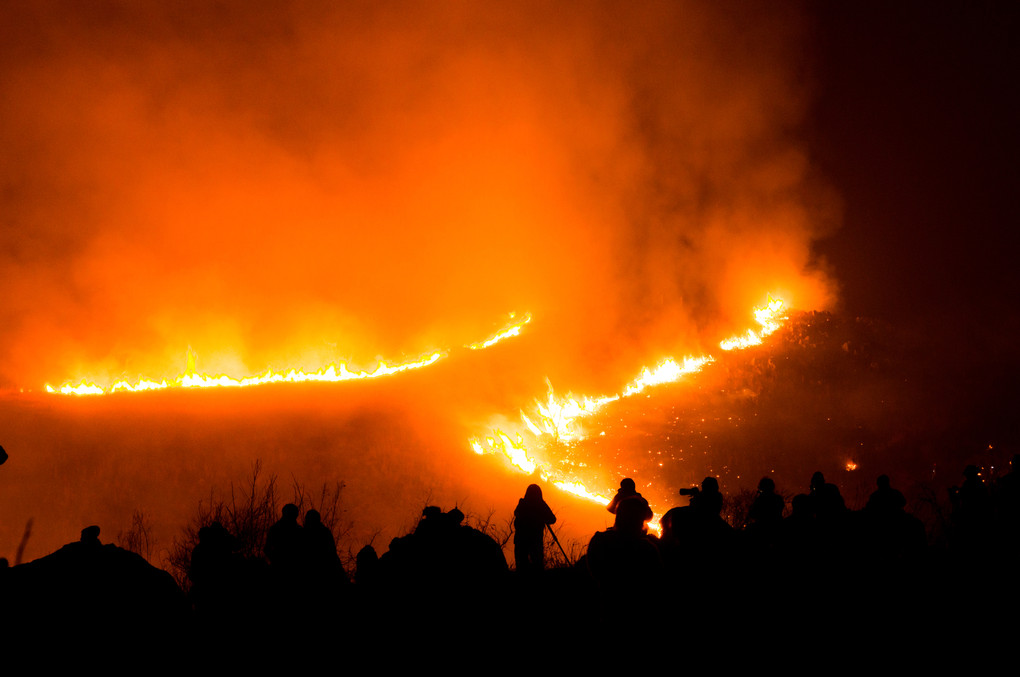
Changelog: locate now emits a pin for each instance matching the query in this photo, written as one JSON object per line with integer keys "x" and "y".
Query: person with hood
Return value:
{"x": 530, "y": 519}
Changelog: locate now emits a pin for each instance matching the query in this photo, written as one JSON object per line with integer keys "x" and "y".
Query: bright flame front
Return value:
{"x": 559, "y": 418}
{"x": 333, "y": 373}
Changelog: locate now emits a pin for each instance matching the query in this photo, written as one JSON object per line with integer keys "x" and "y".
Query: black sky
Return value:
{"x": 914, "y": 123}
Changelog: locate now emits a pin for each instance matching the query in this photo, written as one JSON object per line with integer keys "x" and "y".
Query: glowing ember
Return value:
{"x": 851, "y": 466}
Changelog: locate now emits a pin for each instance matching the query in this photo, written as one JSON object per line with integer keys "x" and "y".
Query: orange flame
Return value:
{"x": 332, "y": 373}
{"x": 512, "y": 330}
{"x": 558, "y": 417}
{"x": 770, "y": 318}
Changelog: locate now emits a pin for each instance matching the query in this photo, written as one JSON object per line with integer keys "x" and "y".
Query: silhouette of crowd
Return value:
{"x": 811, "y": 554}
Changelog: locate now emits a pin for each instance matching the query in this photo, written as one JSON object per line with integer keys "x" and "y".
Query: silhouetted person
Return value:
{"x": 530, "y": 519}
{"x": 90, "y": 536}
{"x": 286, "y": 550}
{"x": 834, "y": 527}
{"x": 765, "y": 519}
{"x": 885, "y": 500}
{"x": 284, "y": 542}
{"x": 320, "y": 552}
{"x": 826, "y": 501}
{"x": 767, "y": 509}
{"x": 890, "y": 540}
{"x": 215, "y": 573}
{"x": 627, "y": 488}
{"x": 703, "y": 543}
{"x": 441, "y": 555}
{"x": 366, "y": 572}
{"x": 709, "y": 500}
{"x": 628, "y": 491}
{"x": 817, "y": 482}
{"x": 3, "y": 456}
{"x": 433, "y": 522}
{"x": 624, "y": 561}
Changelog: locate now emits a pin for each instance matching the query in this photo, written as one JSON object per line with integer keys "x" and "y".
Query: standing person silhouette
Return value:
{"x": 628, "y": 492}
{"x": 530, "y": 519}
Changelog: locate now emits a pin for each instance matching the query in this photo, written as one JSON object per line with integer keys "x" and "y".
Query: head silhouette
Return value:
{"x": 90, "y": 535}
{"x": 313, "y": 518}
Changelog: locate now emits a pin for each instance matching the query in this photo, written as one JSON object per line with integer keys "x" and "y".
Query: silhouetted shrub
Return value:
{"x": 248, "y": 512}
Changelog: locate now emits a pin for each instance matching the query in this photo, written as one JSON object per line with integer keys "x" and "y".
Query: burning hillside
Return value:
{"x": 848, "y": 396}
{"x": 822, "y": 392}
{"x": 560, "y": 419}
{"x": 556, "y": 422}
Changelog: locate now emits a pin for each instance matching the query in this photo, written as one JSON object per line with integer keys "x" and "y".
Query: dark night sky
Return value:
{"x": 915, "y": 125}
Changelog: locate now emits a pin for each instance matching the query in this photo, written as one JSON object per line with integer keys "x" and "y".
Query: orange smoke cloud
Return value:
{"x": 289, "y": 187}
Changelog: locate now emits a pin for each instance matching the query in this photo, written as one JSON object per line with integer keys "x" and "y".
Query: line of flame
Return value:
{"x": 557, "y": 416}
{"x": 332, "y": 373}
{"x": 770, "y": 318}
{"x": 512, "y": 330}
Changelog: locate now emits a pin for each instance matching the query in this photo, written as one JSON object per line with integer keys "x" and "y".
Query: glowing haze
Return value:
{"x": 236, "y": 187}
{"x": 298, "y": 186}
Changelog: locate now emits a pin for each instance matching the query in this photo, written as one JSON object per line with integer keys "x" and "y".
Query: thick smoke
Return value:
{"x": 289, "y": 184}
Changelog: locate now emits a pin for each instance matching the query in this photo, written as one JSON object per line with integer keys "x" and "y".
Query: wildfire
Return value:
{"x": 555, "y": 417}
{"x": 332, "y": 373}
{"x": 189, "y": 379}
{"x": 579, "y": 489}
{"x": 770, "y": 317}
{"x": 513, "y": 330}
{"x": 559, "y": 417}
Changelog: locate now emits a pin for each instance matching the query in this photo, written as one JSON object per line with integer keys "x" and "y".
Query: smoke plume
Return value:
{"x": 292, "y": 184}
